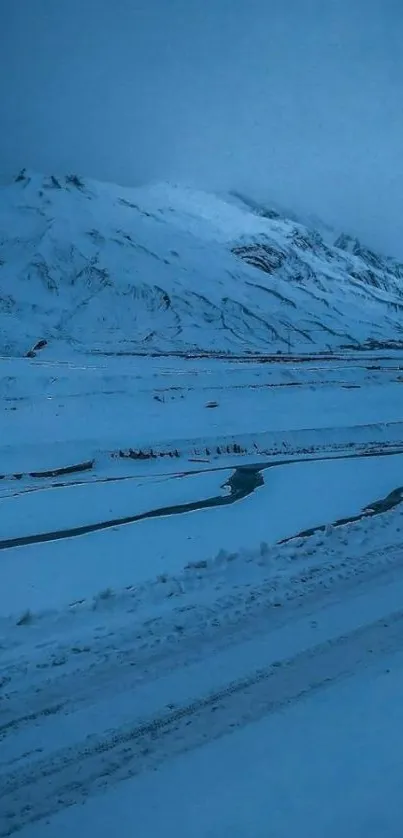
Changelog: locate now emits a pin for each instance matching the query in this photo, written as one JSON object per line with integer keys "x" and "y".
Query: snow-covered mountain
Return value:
{"x": 99, "y": 267}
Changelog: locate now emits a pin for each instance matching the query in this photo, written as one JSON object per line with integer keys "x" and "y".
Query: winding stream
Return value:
{"x": 244, "y": 481}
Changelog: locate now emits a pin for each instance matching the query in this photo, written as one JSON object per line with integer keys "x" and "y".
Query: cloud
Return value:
{"x": 298, "y": 100}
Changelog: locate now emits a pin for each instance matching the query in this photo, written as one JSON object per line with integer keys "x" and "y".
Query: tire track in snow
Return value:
{"x": 234, "y": 617}
{"x": 73, "y": 773}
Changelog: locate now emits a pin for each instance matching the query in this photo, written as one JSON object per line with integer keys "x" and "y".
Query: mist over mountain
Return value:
{"x": 295, "y": 103}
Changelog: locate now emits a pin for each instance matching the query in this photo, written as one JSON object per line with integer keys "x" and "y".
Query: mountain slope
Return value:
{"x": 105, "y": 268}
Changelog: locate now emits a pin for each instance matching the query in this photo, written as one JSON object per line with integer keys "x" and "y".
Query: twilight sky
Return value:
{"x": 298, "y": 100}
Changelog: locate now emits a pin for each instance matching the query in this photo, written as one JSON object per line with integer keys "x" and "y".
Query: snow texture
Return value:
{"x": 167, "y": 269}
{"x": 201, "y": 573}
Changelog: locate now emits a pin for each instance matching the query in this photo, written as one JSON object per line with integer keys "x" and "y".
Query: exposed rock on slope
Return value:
{"x": 99, "y": 267}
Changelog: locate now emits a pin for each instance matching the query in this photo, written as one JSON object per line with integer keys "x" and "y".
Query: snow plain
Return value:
{"x": 178, "y": 654}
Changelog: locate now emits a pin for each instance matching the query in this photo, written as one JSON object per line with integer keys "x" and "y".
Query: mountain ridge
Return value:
{"x": 89, "y": 267}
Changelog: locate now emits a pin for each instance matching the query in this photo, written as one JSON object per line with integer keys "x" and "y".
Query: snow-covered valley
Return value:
{"x": 201, "y": 565}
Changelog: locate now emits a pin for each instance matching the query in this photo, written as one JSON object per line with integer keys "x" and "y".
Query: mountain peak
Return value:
{"x": 172, "y": 269}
